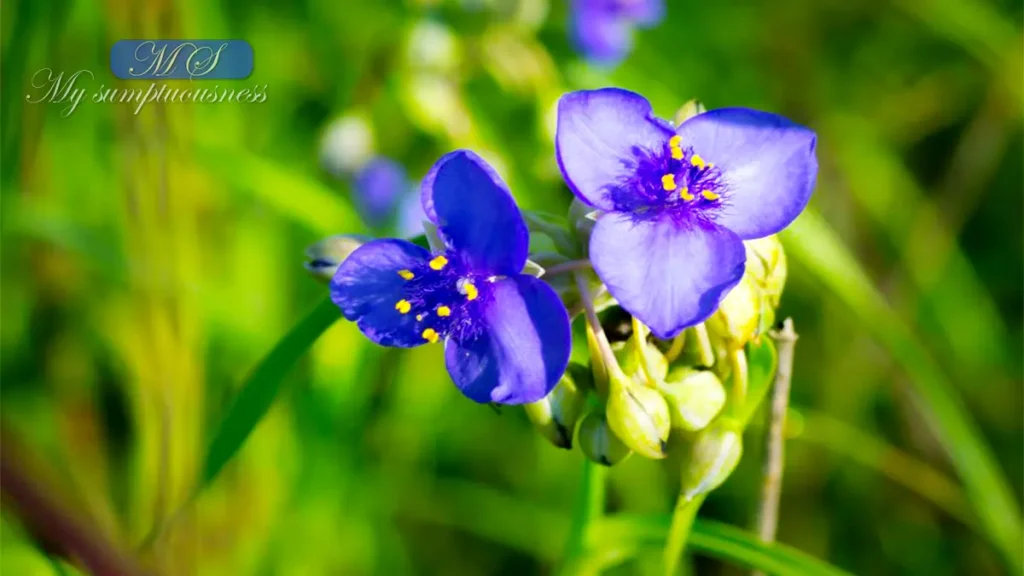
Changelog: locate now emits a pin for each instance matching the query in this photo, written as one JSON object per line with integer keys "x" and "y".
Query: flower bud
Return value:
{"x": 766, "y": 263}
{"x": 599, "y": 443}
{"x": 689, "y": 110}
{"x": 629, "y": 359}
{"x": 324, "y": 257}
{"x": 739, "y": 315}
{"x": 556, "y": 414}
{"x": 694, "y": 397}
{"x": 638, "y": 415}
{"x": 712, "y": 458}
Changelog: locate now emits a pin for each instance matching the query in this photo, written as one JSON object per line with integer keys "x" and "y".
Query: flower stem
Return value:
{"x": 740, "y": 378}
{"x": 640, "y": 349}
{"x": 606, "y": 358}
{"x": 676, "y": 348}
{"x": 706, "y": 354}
{"x": 679, "y": 533}
{"x": 771, "y": 488}
{"x": 589, "y": 509}
{"x": 565, "y": 267}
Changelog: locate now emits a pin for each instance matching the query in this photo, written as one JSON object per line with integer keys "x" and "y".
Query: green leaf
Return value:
{"x": 258, "y": 393}
{"x": 762, "y": 359}
{"x": 815, "y": 245}
{"x": 616, "y": 535}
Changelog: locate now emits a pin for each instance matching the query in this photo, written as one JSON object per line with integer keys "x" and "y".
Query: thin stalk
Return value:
{"x": 589, "y": 510}
{"x": 676, "y": 348}
{"x": 771, "y": 488}
{"x": 706, "y": 354}
{"x": 740, "y": 378}
{"x": 679, "y": 533}
{"x": 640, "y": 349}
{"x": 565, "y": 267}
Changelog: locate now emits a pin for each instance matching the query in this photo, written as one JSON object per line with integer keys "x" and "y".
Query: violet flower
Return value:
{"x": 386, "y": 199}
{"x": 603, "y": 29}
{"x": 506, "y": 334}
{"x": 677, "y": 203}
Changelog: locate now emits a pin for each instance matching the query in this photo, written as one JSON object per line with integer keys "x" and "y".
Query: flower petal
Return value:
{"x": 644, "y": 13}
{"x": 767, "y": 161}
{"x": 598, "y": 137}
{"x": 378, "y": 187}
{"x": 668, "y": 274}
{"x": 604, "y": 37}
{"x": 410, "y": 215}
{"x": 523, "y": 349}
{"x": 475, "y": 213}
{"x": 367, "y": 286}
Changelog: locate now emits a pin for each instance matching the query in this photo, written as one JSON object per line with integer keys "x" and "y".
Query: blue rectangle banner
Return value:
{"x": 181, "y": 59}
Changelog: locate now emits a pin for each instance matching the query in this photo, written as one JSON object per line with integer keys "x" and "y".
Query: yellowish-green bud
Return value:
{"x": 639, "y": 416}
{"x": 713, "y": 456}
{"x": 739, "y": 315}
{"x": 324, "y": 257}
{"x": 695, "y": 398}
{"x": 628, "y": 356}
{"x": 556, "y": 414}
{"x": 599, "y": 443}
{"x": 766, "y": 263}
{"x": 689, "y": 110}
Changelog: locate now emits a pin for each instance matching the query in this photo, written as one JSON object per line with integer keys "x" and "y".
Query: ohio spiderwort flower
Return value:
{"x": 385, "y": 198}
{"x": 506, "y": 334}
{"x": 677, "y": 202}
{"x": 603, "y": 29}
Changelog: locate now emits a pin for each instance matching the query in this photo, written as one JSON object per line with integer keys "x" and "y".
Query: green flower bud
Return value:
{"x": 555, "y": 415}
{"x": 324, "y": 257}
{"x": 766, "y": 263}
{"x": 689, "y": 110}
{"x": 599, "y": 443}
{"x": 695, "y": 398}
{"x": 712, "y": 458}
{"x": 739, "y": 315}
{"x": 628, "y": 356}
{"x": 638, "y": 415}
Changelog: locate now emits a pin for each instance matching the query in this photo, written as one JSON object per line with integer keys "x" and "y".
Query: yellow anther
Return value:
{"x": 419, "y": 317}
{"x": 471, "y": 291}
{"x": 444, "y": 311}
{"x": 668, "y": 182}
{"x": 709, "y": 195}
{"x": 675, "y": 141}
{"x": 677, "y": 153}
{"x": 430, "y": 335}
{"x": 698, "y": 161}
{"x": 403, "y": 306}
{"x": 685, "y": 194}
{"x": 438, "y": 263}
{"x": 406, "y": 274}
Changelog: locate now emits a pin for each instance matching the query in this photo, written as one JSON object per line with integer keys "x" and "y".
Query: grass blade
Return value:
{"x": 258, "y": 393}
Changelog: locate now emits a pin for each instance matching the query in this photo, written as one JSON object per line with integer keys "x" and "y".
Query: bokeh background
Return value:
{"x": 151, "y": 260}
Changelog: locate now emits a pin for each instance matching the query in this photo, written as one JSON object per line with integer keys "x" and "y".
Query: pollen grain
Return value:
{"x": 698, "y": 161}
{"x": 403, "y": 306}
{"x": 471, "y": 291}
{"x": 431, "y": 335}
{"x": 406, "y": 274}
{"x": 685, "y": 194}
{"x": 438, "y": 263}
{"x": 444, "y": 311}
{"x": 668, "y": 182}
{"x": 709, "y": 195}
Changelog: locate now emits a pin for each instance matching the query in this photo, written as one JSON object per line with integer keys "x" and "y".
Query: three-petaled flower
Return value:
{"x": 677, "y": 202}
{"x": 506, "y": 334}
{"x": 603, "y": 29}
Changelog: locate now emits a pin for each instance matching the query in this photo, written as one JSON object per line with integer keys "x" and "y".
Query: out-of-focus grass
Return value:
{"x": 151, "y": 261}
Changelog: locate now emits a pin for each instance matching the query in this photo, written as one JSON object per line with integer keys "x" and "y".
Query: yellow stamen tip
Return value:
{"x": 709, "y": 195}
{"x": 438, "y": 263}
{"x": 403, "y": 306}
{"x": 406, "y": 274}
{"x": 430, "y": 335}
{"x": 685, "y": 194}
{"x": 471, "y": 291}
{"x": 677, "y": 153}
{"x": 698, "y": 161}
{"x": 419, "y": 317}
{"x": 675, "y": 141}
{"x": 668, "y": 182}
{"x": 444, "y": 311}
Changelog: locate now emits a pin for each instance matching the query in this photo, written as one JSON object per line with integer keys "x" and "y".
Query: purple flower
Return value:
{"x": 506, "y": 335}
{"x": 603, "y": 29}
{"x": 385, "y": 198}
{"x": 677, "y": 203}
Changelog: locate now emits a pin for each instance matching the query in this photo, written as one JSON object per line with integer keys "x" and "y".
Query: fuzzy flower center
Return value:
{"x": 443, "y": 296}
{"x": 675, "y": 179}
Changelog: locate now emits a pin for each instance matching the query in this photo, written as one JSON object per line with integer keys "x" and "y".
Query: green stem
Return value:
{"x": 589, "y": 510}
{"x": 682, "y": 523}
{"x": 740, "y": 378}
{"x": 565, "y": 267}
{"x": 676, "y": 348}
{"x": 706, "y": 354}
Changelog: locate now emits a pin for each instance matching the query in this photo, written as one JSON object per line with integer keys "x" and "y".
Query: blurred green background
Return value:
{"x": 151, "y": 260}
